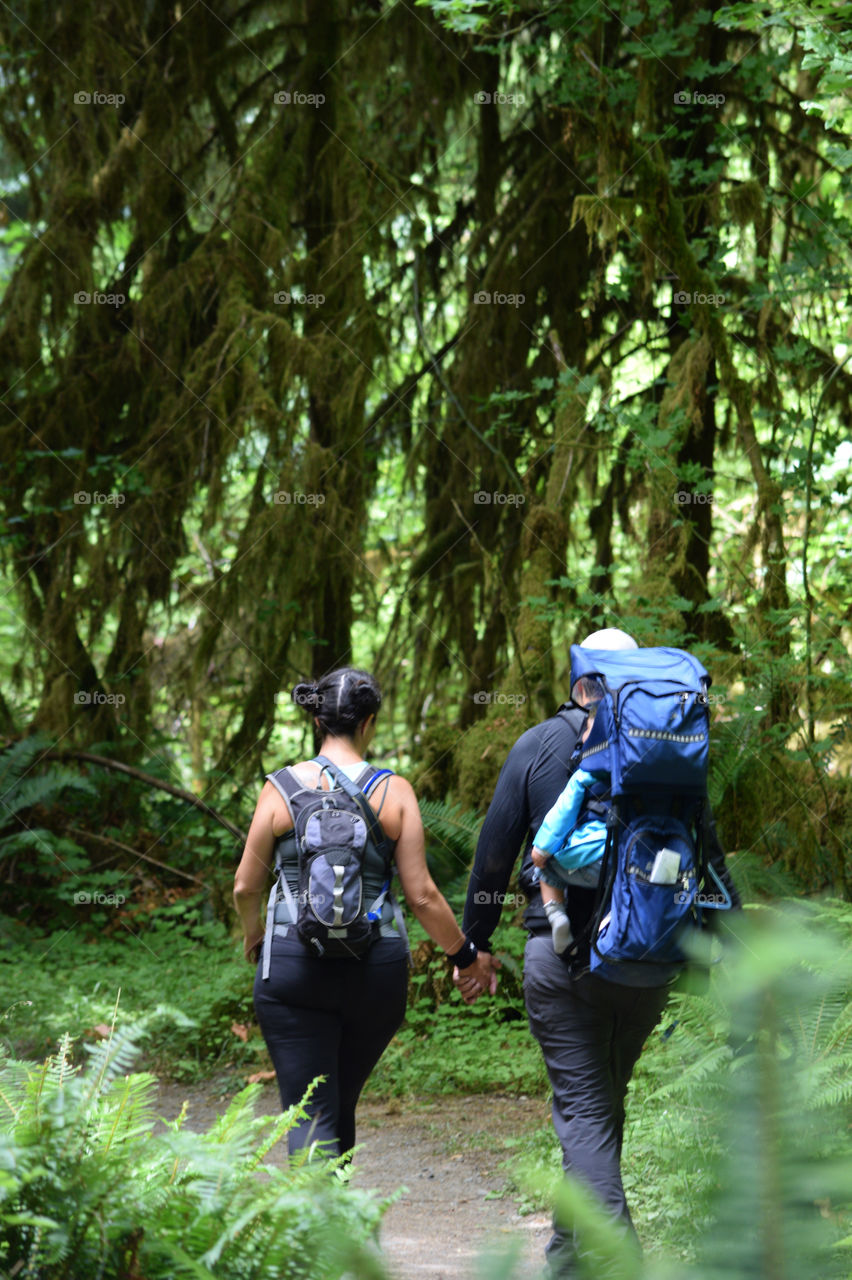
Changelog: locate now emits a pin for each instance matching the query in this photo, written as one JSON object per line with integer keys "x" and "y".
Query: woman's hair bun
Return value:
{"x": 308, "y": 696}
{"x": 340, "y": 700}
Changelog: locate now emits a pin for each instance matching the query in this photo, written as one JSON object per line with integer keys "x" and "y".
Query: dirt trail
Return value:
{"x": 445, "y": 1152}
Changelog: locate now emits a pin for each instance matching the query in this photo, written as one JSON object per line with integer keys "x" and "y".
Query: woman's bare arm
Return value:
{"x": 252, "y": 877}
{"x": 421, "y": 893}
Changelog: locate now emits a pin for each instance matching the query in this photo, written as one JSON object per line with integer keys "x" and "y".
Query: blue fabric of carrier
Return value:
{"x": 650, "y": 738}
{"x": 638, "y": 758}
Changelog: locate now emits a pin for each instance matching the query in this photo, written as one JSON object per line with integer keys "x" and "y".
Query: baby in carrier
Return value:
{"x": 566, "y": 851}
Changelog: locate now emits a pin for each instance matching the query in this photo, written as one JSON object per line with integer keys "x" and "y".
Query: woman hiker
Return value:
{"x": 334, "y": 1017}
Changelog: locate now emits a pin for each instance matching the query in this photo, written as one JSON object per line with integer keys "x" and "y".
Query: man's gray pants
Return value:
{"x": 591, "y": 1033}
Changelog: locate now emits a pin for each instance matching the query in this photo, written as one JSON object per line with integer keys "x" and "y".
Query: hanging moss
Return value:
{"x": 543, "y": 550}
{"x": 482, "y": 751}
{"x": 786, "y": 814}
{"x": 603, "y": 216}
{"x": 671, "y": 523}
{"x": 198, "y": 200}
{"x": 746, "y": 203}
{"x": 400, "y": 199}
{"x": 435, "y": 777}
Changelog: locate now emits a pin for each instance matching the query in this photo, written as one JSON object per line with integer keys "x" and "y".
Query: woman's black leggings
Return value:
{"x": 333, "y": 1018}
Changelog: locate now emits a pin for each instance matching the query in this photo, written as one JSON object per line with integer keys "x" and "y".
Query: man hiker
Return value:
{"x": 591, "y": 1030}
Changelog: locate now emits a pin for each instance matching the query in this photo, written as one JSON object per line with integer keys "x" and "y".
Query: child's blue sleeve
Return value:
{"x": 562, "y": 817}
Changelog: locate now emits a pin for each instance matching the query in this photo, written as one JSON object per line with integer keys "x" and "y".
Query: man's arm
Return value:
{"x": 503, "y": 832}
{"x": 530, "y": 781}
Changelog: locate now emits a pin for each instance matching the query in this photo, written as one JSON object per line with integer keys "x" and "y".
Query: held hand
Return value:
{"x": 476, "y": 978}
{"x": 484, "y": 970}
{"x": 539, "y": 857}
{"x": 468, "y": 986}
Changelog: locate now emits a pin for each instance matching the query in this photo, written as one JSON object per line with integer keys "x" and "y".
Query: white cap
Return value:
{"x": 609, "y": 638}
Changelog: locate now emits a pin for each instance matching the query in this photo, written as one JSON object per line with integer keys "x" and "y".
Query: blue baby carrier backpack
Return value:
{"x": 649, "y": 741}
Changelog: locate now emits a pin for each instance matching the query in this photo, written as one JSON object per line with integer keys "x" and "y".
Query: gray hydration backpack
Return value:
{"x": 341, "y": 862}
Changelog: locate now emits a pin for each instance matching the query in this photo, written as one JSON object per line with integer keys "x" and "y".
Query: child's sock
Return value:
{"x": 560, "y": 926}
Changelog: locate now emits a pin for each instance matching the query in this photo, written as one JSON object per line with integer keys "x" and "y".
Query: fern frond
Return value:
{"x": 115, "y": 1056}
{"x": 704, "y": 1070}
{"x": 21, "y": 790}
{"x": 757, "y": 881}
{"x": 731, "y": 754}
{"x": 45, "y": 842}
{"x": 44, "y": 790}
{"x": 17, "y": 759}
{"x": 451, "y": 835}
{"x": 89, "y": 1188}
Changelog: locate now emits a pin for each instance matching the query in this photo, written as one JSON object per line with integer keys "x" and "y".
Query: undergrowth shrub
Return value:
{"x": 89, "y": 1188}
{"x": 50, "y": 983}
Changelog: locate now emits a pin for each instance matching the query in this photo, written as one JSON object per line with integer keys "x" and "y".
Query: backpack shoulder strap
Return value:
{"x": 289, "y": 788}
{"x": 370, "y": 777}
{"x": 371, "y": 783}
{"x": 286, "y": 784}
{"x": 573, "y": 714}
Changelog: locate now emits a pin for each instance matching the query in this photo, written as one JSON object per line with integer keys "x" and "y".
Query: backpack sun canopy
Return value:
{"x": 651, "y": 731}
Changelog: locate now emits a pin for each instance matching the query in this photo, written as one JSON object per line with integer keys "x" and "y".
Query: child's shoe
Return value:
{"x": 560, "y": 926}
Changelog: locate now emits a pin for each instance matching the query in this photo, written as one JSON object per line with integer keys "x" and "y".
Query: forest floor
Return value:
{"x": 445, "y": 1152}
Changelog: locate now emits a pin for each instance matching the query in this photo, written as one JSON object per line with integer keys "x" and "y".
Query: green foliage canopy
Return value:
{"x": 433, "y": 335}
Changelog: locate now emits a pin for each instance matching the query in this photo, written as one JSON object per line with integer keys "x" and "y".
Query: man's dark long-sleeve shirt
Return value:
{"x": 530, "y": 781}
{"x": 535, "y": 772}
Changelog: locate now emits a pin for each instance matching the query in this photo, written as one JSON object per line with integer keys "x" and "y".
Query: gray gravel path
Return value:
{"x": 445, "y": 1152}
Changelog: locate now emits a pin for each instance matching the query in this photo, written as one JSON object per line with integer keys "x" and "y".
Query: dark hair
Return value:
{"x": 341, "y": 700}
{"x": 589, "y": 689}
